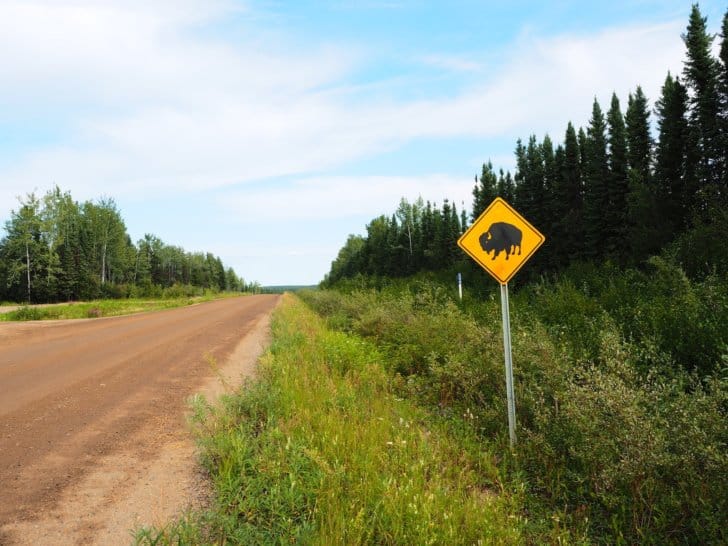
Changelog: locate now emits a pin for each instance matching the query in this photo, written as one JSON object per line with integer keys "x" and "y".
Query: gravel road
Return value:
{"x": 93, "y": 440}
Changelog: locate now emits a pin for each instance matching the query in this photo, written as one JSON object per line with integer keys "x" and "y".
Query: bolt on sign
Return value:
{"x": 501, "y": 240}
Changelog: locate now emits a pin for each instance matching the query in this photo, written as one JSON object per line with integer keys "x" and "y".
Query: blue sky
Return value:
{"x": 267, "y": 131}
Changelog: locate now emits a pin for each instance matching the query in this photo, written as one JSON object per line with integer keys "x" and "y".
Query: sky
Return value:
{"x": 268, "y": 131}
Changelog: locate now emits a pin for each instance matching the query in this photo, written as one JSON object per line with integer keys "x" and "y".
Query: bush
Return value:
{"x": 182, "y": 291}
{"x": 26, "y": 312}
{"x": 614, "y": 436}
{"x": 673, "y": 322}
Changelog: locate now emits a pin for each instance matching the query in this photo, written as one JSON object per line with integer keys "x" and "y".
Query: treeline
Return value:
{"x": 417, "y": 237}
{"x": 56, "y": 249}
{"x": 607, "y": 192}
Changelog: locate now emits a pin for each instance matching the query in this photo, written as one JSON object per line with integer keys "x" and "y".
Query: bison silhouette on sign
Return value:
{"x": 501, "y": 236}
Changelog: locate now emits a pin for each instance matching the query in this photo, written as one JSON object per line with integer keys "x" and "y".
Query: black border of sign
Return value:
{"x": 542, "y": 238}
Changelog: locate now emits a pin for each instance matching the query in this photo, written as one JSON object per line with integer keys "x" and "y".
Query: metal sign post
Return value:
{"x": 460, "y": 286}
{"x": 510, "y": 395}
{"x": 501, "y": 241}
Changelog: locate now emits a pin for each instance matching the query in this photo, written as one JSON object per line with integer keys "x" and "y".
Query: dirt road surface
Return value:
{"x": 93, "y": 440}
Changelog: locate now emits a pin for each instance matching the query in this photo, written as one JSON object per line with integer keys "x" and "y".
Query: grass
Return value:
{"x": 103, "y": 308}
{"x": 321, "y": 450}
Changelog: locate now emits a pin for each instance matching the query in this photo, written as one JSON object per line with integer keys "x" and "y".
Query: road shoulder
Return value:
{"x": 150, "y": 485}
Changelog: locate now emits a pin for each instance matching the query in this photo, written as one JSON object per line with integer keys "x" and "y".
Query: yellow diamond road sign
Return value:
{"x": 501, "y": 240}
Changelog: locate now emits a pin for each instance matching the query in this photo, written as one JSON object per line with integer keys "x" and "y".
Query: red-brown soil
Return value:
{"x": 93, "y": 440}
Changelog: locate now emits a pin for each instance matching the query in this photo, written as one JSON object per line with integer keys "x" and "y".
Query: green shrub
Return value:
{"x": 674, "y": 322}
{"x": 26, "y": 312}
{"x": 614, "y": 437}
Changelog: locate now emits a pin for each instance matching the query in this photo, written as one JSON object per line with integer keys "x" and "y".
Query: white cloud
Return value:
{"x": 166, "y": 109}
{"x": 328, "y": 198}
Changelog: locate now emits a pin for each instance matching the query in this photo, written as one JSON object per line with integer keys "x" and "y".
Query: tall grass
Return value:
{"x": 622, "y": 416}
{"x": 322, "y": 450}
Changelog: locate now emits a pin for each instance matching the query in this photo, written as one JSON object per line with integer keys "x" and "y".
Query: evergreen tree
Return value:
{"x": 61, "y": 220}
{"x": 428, "y": 236}
{"x": 701, "y": 73}
{"x": 506, "y": 187}
{"x": 644, "y": 221}
{"x": 396, "y": 265}
{"x": 616, "y": 213}
{"x": 639, "y": 139}
{"x": 555, "y": 233}
{"x": 534, "y": 183}
{"x": 453, "y": 234}
{"x": 582, "y": 139}
{"x": 569, "y": 194}
{"x": 522, "y": 199}
{"x": 437, "y": 246}
{"x": 550, "y": 174}
{"x": 675, "y": 186}
{"x": 549, "y": 206}
{"x": 724, "y": 94}
{"x": 486, "y": 189}
{"x": 596, "y": 190}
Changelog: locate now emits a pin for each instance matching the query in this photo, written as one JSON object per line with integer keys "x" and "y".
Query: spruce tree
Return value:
{"x": 644, "y": 221}
{"x": 486, "y": 189}
{"x": 724, "y": 95}
{"x": 534, "y": 183}
{"x": 675, "y": 184}
{"x": 506, "y": 186}
{"x": 701, "y": 73}
{"x": 581, "y": 137}
{"x": 453, "y": 222}
{"x": 521, "y": 196}
{"x": 570, "y": 192}
{"x": 639, "y": 139}
{"x": 548, "y": 202}
{"x": 724, "y": 58}
{"x": 548, "y": 205}
{"x": 438, "y": 242}
{"x": 596, "y": 186}
{"x": 616, "y": 212}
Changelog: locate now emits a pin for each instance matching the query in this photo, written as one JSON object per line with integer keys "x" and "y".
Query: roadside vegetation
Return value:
{"x": 324, "y": 449}
{"x": 621, "y": 391}
{"x": 385, "y": 423}
{"x": 179, "y": 297}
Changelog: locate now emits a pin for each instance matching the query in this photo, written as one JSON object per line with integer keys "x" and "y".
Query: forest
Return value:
{"x": 608, "y": 192}
{"x": 56, "y": 249}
